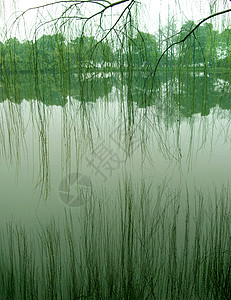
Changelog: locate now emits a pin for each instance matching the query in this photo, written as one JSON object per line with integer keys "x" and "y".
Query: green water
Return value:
{"x": 106, "y": 131}
{"x": 109, "y": 148}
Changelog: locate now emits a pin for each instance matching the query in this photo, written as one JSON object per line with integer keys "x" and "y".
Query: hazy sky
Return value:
{"x": 152, "y": 11}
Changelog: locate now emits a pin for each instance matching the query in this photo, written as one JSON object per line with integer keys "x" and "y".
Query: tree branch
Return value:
{"x": 103, "y": 3}
{"x": 185, "y": 38}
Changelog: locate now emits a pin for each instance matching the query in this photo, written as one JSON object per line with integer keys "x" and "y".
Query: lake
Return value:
{"x": 115, "y": 159}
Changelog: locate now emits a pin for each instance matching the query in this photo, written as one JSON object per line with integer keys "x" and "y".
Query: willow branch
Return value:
{"x": 185, "y": 38}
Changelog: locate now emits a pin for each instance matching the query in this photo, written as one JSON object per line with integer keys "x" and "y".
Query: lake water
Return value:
{"x": 104, "y": 132}
{"x": 112, "y": 181}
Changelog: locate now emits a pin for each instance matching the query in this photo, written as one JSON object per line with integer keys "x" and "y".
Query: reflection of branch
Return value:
{"x": 185, "y": 38}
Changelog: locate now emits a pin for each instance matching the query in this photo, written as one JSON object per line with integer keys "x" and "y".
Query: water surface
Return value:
{"x": 175, "y": 136}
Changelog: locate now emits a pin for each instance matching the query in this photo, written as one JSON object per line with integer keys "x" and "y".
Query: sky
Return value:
{"x": 150, "y": 13}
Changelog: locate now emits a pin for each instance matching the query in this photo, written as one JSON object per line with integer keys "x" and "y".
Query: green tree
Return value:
{"x": 86, "y": 50}
{"x": 50, "y": 51}
{"x": 206, "y": 44}
{"x": 224, "y": 49}
{"x": 201, "y": 47}
{"x": 144, "y": 50}
{"x": 187, "y": 49}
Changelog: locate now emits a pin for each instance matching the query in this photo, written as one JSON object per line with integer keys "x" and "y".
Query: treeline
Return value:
{"x": 54, "y": 53}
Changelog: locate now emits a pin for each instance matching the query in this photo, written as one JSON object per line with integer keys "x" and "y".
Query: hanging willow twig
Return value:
{"x": 104, "y": 4}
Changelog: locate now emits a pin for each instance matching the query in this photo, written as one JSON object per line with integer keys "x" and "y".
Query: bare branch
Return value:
{"x": 65, "y": 15}
{"x": 128, "y": 7}
{"x": 111, "y": 5}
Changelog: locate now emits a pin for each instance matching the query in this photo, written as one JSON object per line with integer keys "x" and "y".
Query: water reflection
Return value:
{"x": 106, "y": 127}
{"x": 187, "y": 93}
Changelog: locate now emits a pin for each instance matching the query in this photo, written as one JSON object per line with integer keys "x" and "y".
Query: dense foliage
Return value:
{"x": 55, "y": 53}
